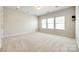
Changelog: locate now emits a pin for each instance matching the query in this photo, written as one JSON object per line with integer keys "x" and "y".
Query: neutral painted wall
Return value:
{"x": 17, "y": 22}
{"x": 69, "y": 24}
{"x": 77, "y": 25}
{"x": 1, "y": 23}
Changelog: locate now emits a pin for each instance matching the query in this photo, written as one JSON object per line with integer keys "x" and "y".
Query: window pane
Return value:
{"x": 59, "y": 26}
{"x": 60, "y": 22}
{"x": 50, "y": 23}
{"x": 43, "y": 23}
{"x": 50, "y": 20}
{"x": 50, "y": 26}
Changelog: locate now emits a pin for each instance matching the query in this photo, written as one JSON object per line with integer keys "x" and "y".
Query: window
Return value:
{"x": 43, "y": 23}
{"x": 54, "y": 23}
{"x": 50, "y": 23}
{"x": 60, "y": 23}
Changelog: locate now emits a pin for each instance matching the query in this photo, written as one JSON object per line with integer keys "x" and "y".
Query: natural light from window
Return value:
{"x": 60, "y": 22}
{"x": 43, "y": 23}
{"x": 50, "y": 23}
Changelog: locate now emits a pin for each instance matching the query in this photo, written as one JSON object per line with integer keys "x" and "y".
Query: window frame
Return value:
{"x": 64, "y": 23}
{"x": 52, "y": 23}
{"x": 42, "y": 23}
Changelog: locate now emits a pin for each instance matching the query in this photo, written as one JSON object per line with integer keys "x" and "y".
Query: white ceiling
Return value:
{"x": 43, "y": 9}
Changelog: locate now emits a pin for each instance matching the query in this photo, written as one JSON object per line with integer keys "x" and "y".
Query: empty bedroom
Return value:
{"x": 39, "y": 29}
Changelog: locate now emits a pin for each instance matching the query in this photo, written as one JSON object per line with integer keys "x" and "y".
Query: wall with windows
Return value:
{"x": 59, "y": 23}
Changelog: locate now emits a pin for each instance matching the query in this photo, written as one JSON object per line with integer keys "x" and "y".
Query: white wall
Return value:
{"x": 77, "y": 25}
{"x": 69, "y": 24}
{"x": 17, "y": 22}
{"x": 1, "y": 23}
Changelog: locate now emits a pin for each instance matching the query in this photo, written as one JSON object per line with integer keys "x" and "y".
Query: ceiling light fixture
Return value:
{"x": 17, "y": 7}
{"x": 38, "y": 7}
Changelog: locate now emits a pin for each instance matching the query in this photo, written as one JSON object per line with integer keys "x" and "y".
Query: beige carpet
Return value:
{"x": 38, "y": 42}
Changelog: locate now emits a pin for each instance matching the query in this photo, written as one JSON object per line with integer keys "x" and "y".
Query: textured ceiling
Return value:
{"x": 34, "y": 11}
